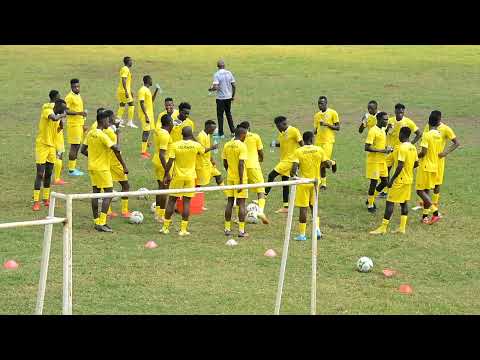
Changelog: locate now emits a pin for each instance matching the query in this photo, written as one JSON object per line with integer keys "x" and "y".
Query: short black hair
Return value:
{"x": 109, "y": 113}
{"x": 381, "y": 114}
{"x": 405, "y": 132}
{"x": 210, "y": 122}
{"x": 434, "y": 118}
{"x": 60, "y": 101}
{"x": 168, "y": 99}
{"x": 102, "y": 115}
{"x": 184, "y": 105}
{"x": 99, "y": 110}
{"x": 146, "y": 77}
{"x": 323, "y": 97}
{"x": 125, "y": 59}
{"x": 279, "y": 119}
{"x": 373, "y": 102}
{"x": 245, "y": 125}
{"x": 240, "y": 130}
{"x": 74, "y": 81}
{"x": 399, "y": 107}
{"x": 307, "y": 136}
{"x": 53, "y": 94}
{"x": 166, "y": 119}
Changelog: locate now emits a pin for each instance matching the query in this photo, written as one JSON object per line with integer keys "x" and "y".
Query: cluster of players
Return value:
{"x": 182, "y": 160}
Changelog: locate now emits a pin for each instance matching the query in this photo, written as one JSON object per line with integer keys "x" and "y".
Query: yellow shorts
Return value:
{"x": 101, "y": 179}
{"x": 74, "y": 134}
{"x": 117, "y": 172}
{"x": 150, "y": 125}
{"x": 122, "y": 99}
{"x": 375, "y": 171}
{"x": 60, "y": 142}
{"x": 255, "y": 176}
{"x": 328, "y": 148}
{"x": 399, "y": 193}
{"x": 390, "y": 160}
{"x": 305, "y": 195}
{"x": 440, "y": 172}
{"x": 44, "y": 153}
{"x": 159, "y": 172}
{"x": 205, "y": 174}
{"x": 234, "y": 193}
{"x": 182, "y": 184}
{"x": 284, "y": 168}
{"x": 425, "y": 180}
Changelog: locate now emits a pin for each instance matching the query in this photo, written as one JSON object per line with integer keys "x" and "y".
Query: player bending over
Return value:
{"x": 124, "y": 92}
{"x": 369, "y": 120}
{"x": 145, "y": 102}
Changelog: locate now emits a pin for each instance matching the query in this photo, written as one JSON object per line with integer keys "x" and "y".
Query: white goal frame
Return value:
{"x": 67, "y": 305}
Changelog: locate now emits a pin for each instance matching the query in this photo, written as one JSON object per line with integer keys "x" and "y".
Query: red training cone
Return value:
{"x": 405, "y": 289}
{"x": 10, "y": 264}
{"x": 270, "y": 253}
{"x": 151, "y": 245}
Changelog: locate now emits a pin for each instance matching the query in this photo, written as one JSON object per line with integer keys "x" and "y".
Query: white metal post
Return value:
{"x": 288, "y": 230}
{"x": 313, "y": 304}
{"x": 47, "y": 241}
{"x": 67, "y": 260}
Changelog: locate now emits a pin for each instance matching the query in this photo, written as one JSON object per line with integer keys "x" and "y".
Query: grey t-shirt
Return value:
{"x": 224, "y": 79}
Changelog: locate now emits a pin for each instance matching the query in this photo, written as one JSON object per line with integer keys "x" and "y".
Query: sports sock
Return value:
{"x": 124, "y": 206}
{"x": 95, "y": 221}
{"x": 403, "y": 222}
{"x": 72, "y": 165}
{"x": 183, "y": 225}
{"x": 102, "y": 219}
{"x": 166, "y": 224}
{"x": 434, "y": 210}
{"x": 375, "y": 194}
{"x": 385, "y": 223}
{"x": 58, "y": 169}
{"x": 371, "y": 200}
{"x": 144, "y": 146}
{"x": 241, "y": 226}
{"x": 120, "y": 112}
{"x": 131, "y": 112}
{"x": 285, "y": 204}
{"x": 36, "y": 195}
{"x": 425, "y": 212}
{"x": 46, "y": 193}
{"x": 435, "y": 198}
{"x": 323, "y": 181}
{"x": 261, "y": 204}
{"x": 109, "y": 211}
{"x": 160, "y": 212}
{"x": 302, "y": 227}
{"x": 228, "y": 225}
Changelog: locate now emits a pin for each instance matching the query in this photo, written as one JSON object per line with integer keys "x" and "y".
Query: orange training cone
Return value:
{"x": 10, "y": 264}
{"x": 151, "y": 245}
{"x": 270, "y": 253}
{"x": 405, "y": 289}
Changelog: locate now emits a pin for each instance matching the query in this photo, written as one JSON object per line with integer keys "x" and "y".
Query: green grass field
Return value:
{"x": 114, "y": 274}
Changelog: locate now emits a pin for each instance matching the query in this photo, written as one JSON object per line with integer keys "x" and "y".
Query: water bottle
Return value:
{"x": 272, "y": 146}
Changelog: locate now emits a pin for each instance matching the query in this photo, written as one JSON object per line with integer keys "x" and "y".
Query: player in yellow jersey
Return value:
{"x": 369, "y": 120}
{"x": 376, "y": 165}
{"x": 235, "y": 155}
{"x": 125, "y": 93}
{"x": 254, "y": 170}
{"x": 76, "y": 128}
{"x": 447, "y": 134}
{"x": 182, "y": 120}
{"x": 431, "y": 147}
{"x": 183, "y": 155}
{"x": 325, "y": 123}
{"x": 98, "y": 149}
{"x": 288, "y": 141}
{"x": 309, "y": 159}
{"x": 162, "y": 141}
{"x": 169, "y": 109}
{"x": 45, "y": 155}
{"x": 400, "y": 184}
{"x": 145, "y": 113}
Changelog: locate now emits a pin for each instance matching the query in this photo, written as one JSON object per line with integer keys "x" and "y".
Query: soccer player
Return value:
{"x": 162, "y": 142}
{"x": 98, "y": 149}
{"x": 169, "y": 109}
{"x": 376, "y": 166}
{"x": 400, "y": 184}
{"x": 183, "y": 155}
{"x": 183, "y": 120}
{"x": 235, "y": 155}
{"x": 124, "y": 92}
{"x": 75, "y": 125}
{"x": 431, "y": 147}
{"x": 254, "y": 170}
{"x": 325, "y": 123}
{"x": 45, "y": 155}
{"x": 369, "y": 120}
{"x": 447, "y": 134}
{"x": 288, "y": 140}
{"x": 145, "y": 101}
{"x": 309, "y": 159}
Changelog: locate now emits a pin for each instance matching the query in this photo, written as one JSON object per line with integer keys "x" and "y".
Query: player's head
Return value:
{"x": 169, "y": 105}
{"x": 167, "y": 122}
{"x": 210, "y": 126}
{"x": 399, "y": 111}
{"x": 245, "y": 125}
{"x": 372, "y": 107}
{"x": 184, "y": 110}
{"x": 99, "y": 110}
{"x": 75, "y": 85}
{"x": 322, "y": 103}
{"x": 240, "y": 133}
{"x": 404, "y": 134}
{"x": 281, "y": 123}
{"x": 221, "y": 64}
{"x": 382, "y": 119}
{"x": 308, "y": 137}
{"x": 60, "y": 106}
{"x": 53, "y": 95}
{"x": 102, "y": 120}
{"x": 187, "y": 133}
{"x": 434, "y": 118}
{"x": 147, "y": 80}
{"x": 111, "y": 116}
{"x": 127, "y": 60}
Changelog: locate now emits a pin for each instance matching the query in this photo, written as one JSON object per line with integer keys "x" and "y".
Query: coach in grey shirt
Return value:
{"x": 224, "y": 85}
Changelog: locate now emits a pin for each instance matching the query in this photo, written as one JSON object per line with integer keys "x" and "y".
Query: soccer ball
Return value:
{"x": 153, "y": 207}
{"x": 136, "y": 217}
{"x": 143, "y": 197}
{"x": 364, "y": 264}
{"x": 253, "y": 207}
{"x": 252, "y": 217}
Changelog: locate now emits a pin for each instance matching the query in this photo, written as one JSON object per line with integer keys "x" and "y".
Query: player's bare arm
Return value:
{"x": 260, "y": 155}
{"x": 84, "y": 150}
{"x": 167, "y": 178}
{"x": 124, "y": 84}
{"x": 142, "y": 106}
{"x": 234, "y": 88}
{"x": 422, "y": 153}
{"x": 368, "y": 148}
{"x": 397, "y": 172}
{"x": 241, "y": 164}
{"x": 418, "y": 136}
{"x": 118, "y": 155}
{"x": 455, "y": 144}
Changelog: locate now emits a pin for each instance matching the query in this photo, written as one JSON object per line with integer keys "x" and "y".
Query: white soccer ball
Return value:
{"x": 253, "y": 207}
{"x": 136, "y": 217}
{"x": 252, "y": 217}
{"x": 153, "y": 207}
{"x": 143, "y": 197}
{"x": 364, "y": 264}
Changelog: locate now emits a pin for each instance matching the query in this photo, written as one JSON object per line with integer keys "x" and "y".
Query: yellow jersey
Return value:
{"x": 393, "y": 139}
{"x": 161, "y": 141}
{"x": 432, "y": 141}
{"x": 254, "y": 144}
{"x": 204, "y": 160}
{"x": 74, "y": 103}
{"x": 159, "y": 118}
{"x": 234, "y": 151}
{"x": 93, "y": 127}
{"x": 185, "y": 153}
{"x": 446, "y": 132}
{"x": 309, "y": 159}
{"x": 370, "y": 121}
{"x": 113, "y": 136}
{"x": 325, "y": 135}
{"x": 47, "y": 128}
{"x": 146, "y": 95}
{"x": 407, "y": 153}
{"x": 99, "y": 151}
{"x": 377, "y": 138}
{"x": 176, "y": 133}
{"x": 125, "y": 73}
{"x": 289, "y": 142}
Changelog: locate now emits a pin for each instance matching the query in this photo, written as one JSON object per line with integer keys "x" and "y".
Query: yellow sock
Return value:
{"x": 302, "y": 227}
{"x": 144, "y": 146}
{"x": 109, "y": 211}
{"x": 72, "y": 165}
{"x": 323, "y": 181}
{"x": 166, "y": 224}
{"x": 131, "y": 112}
{"x": 385, "y": 223}
{"x": 183, "y": 225}
{"x": 120, "y": 112}
{"x": 103, "y": 219}
{"x": 58, "y": 169}
{"x": 435, "y": 198}
{"x": 261, "y": 203}
{"x": 403, "y": 222}
{"x": 433, "y": 208}
{"x": 375, "y": 194}
{"x": 95, "y": 221}
{"x": 385, "y": 190}
{"x": 426, "y": 211}
{"x": 160, "y": 212}
{"x": 228, "y": 225}
{"x": 285, "y": 204}
{"x": 46, "y": 193}
{"x": 241, "y": 226}
{"x": 36, "y": 195}
{"x": 318, "y": 222}
{"x": 124, "y": 206}
{"x": 371, "y": 200}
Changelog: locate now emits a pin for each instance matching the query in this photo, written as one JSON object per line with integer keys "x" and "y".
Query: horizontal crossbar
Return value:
{"x": 46, "y": 221}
